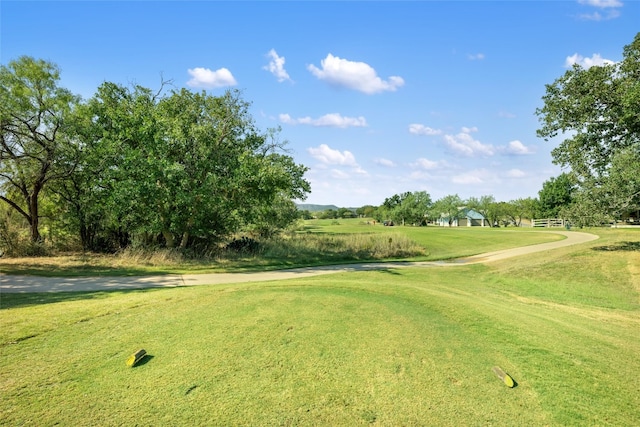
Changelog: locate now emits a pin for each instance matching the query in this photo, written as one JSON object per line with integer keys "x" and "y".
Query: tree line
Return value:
{"x": 418, "y": 209}
{"x": 168, "y": 167}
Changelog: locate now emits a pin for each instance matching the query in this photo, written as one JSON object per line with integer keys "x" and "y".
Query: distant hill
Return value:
{"x": 315, "y": 208}
{"x": 318, "y": 208}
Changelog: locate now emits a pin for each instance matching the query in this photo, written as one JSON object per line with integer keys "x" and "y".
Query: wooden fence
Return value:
{"x": 548, "y": 222}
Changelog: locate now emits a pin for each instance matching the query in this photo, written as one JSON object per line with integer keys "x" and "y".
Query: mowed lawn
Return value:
{"x": 395, "y": 347}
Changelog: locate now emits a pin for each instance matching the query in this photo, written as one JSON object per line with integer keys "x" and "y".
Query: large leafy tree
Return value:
{"x": 484, "y": 205}
{"x": 556, "y": 193}
{"x": 34, "y": 148}
{"x": 448, "y": 207}
{"x": 188, "y": 166}
{"x": 408, "y": 207}
{"x": 415, "y": 208}
{"x": 597, "y": 112}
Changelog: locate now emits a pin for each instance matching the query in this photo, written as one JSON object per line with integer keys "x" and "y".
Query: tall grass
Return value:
{"x": 314, "y": 243}
{"x": 342, "y": 247}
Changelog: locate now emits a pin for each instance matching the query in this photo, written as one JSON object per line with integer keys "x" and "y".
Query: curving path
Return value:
{"x": 25, "y": 284}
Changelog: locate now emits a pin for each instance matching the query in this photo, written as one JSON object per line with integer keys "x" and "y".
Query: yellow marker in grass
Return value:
{"x": 504, "y": 377}
{"x": 136, "y": 357}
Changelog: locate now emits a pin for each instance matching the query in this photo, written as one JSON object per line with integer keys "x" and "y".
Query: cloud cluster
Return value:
{"x": 517, "y": 148}
{"x": 328, "y": 156}
{"x": 384, "y": 162}
{"x": 609, "y": 8}
{"x": 276, "y": 66}
{"x": 465, "y": 145}
{"x": 208, "y": 79}
{"x": 426, "y": 164}
{"x": 328, "y": 120}
{"x": 586, "y": 63}
{"x": 334, "y": 70}
{"x": 354, "y": 75}
{"x": 484, "y": 176}
{"x": 418, "y": 129}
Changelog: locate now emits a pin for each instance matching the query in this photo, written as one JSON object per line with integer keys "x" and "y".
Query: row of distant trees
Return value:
{"x": 161, "y": 167}
{"x": 417, "y": 208}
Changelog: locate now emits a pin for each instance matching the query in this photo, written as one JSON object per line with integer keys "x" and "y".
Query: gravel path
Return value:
{"x": 9, "y": 283}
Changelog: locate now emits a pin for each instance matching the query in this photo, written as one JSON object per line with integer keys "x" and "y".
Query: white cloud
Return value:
{"x": 464, "y": 144}
{"x": 328, "y": 156}
{"x": 475, "y": 177}
{"x": 515, "y": 173}
{"x": 384, "y": 162}
{"x": 475, "y": 57}
{"x": 276, "y": 66}
{"x": 595, "y": 60}
{"x": 472, "y": 177}
{"x": 601, "y": 3}
{"x": 425, "y": 164}
{"x": 609, "y": 8}
{"x": 338, "y": 174}
{"x": 418, "y": 129}
{"x": 354, "y": 75}
{"x": 597, "y": 16}
{"x": 517, "y": 148}
{"x": 328, "y": 120}
{"x": 206, "y": 78}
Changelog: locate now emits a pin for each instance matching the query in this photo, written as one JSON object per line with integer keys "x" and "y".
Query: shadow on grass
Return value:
{"x": 19, "y": 300}
{"x": 145, "y": 359}
{"x": 53, "y": 270}
{"x": 621, "y": 246}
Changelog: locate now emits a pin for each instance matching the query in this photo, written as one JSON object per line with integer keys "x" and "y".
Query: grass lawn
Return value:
{"x": 394, "y": 347}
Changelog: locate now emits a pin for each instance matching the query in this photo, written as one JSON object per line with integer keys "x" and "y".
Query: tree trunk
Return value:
{"x": 168, "y": 237}
{"x": 185, "y": 240}
{"x": 34, "y": 220}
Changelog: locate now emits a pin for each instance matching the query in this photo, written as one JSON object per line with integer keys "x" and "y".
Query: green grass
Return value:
{"x": 317, "y": 242}
{"x": 394, "y": 347}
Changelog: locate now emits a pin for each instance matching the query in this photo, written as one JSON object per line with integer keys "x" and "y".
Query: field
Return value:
{"x": 394, "y": 347}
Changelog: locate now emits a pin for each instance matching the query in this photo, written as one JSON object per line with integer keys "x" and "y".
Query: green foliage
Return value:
{"x": 596, "y": 111}
{"x": 448, "y": 207}
{"x": 35, "y": 149}
{"x": 555, "y": 194}
{"x": 134, "y": 164}
{"x": 406, "y": 208}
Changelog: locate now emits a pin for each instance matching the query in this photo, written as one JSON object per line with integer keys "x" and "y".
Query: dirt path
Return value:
{"x": 10, "y": 283}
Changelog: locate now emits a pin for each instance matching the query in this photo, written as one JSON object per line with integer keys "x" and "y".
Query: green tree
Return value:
{"x": 328, "y": 214}
{"x": 618, "y": 194}
{"x": 188, "y": 166}
{"x": 414, "y": 208}
{"x": 345, "y": 213}
{"x": 557, "y": 192}
{"x": 366, "y": 211}
{"x": 523, "y": 208}
{"x": 34, "y": 148}
{"x": 448, "y": 207}
{"x": 596, "y": 111}
{"x": 622, "y": 187}
{"x": 483, "y": 206}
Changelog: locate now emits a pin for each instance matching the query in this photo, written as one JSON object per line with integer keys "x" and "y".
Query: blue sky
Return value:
{"x": 375, "y": 98}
